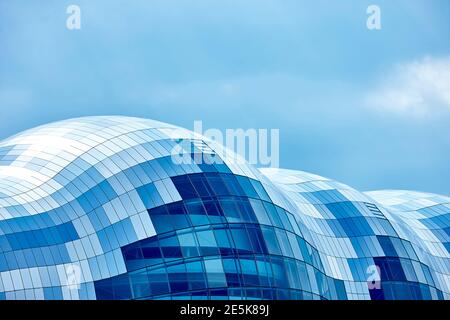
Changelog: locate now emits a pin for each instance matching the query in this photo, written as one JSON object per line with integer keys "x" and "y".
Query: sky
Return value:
{"x": 370, "y": 108}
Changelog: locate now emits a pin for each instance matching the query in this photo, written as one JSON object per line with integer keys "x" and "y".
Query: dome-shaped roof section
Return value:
{"x": 78, "y": 128}
{"x": 406, "y": 200}
{"x": 42, "y": 160}
{"x": 34, "y": 157}
{"x": 294, "y": 182}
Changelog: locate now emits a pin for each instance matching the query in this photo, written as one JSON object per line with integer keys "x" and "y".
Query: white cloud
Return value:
{"x": 418, "y": 88}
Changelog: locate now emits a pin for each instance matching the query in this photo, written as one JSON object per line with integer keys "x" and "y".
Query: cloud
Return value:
{"x": 417, "y": 89}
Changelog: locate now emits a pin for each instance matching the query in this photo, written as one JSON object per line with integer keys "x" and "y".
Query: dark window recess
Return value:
{"x": 390, "y": 268}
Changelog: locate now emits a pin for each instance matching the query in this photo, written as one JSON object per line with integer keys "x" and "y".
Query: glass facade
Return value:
{"x": 97, "y": 208}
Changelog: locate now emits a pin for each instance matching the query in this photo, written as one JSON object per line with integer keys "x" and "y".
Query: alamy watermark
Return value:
{"x": 374, "y": 279}
{"x": 73, "y": 21}
{"x": 260, "y": 147}
{"x": 73, "y": 276}
{"x": 373, "y": 21}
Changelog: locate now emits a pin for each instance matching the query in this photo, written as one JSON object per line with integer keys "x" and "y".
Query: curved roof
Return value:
{"x": 65, "y": 184}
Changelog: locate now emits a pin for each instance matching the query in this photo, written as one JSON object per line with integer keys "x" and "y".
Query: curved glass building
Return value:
{"x": 128, "y": 208}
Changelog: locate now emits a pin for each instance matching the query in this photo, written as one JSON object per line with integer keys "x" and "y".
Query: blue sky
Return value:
{"x": 368, "y": 108}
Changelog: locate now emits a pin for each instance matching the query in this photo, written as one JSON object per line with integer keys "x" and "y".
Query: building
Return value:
{"x": 98, "y": 208}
